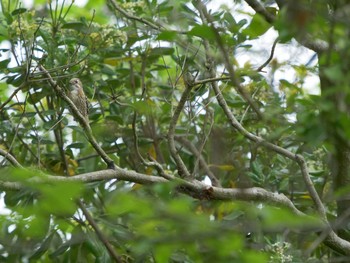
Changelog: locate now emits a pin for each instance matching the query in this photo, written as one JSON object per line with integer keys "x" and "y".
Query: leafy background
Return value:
{"x": 136, "y": 60}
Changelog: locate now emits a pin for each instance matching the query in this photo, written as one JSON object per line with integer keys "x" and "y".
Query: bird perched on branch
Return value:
{"x": 77, "y": 96}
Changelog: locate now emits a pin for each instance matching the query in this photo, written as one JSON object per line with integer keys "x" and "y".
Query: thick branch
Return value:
{"x": 195, "y": 188}
{"x": 10, "y": 158}
{"x": 269, "y": 17}
{"x": 316, "y": 45}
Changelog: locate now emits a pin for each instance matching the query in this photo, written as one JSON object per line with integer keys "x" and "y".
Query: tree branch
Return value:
{"x": 332, "y": 238}
{"x": 12, "y": 95}
{"x": 270, "y": 57}
{"x": 194, "y": 188}
{"x": 153, "y": 162}
{"x": 260, "y": 9}
{"x": 132, "y": 17}
{"x": 316, "y": 45}
{"x": 10, "y": 158}
{"x": 182, "y": 169}
{"x": 202, "y": 162}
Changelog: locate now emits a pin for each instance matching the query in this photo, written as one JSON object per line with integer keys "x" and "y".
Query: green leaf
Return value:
{"x": 167, "y": 36}
{"x": 257, "y": 27}
{"x": 4, "y": 63}
{"x": 37, "y": 96}
{"x": 334, "y": 73}
{"x": 58, "y": 198}
{"x": 161, "y": 51}
{"x": 77, "y": 145}
{"x": 202, "y": 31}
{"x": 44, "y": 246}
{"x": 18, "y": 11}
{"x": 74, "y": 25}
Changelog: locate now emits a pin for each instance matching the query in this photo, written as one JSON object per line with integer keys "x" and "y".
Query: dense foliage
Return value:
{"x": 204, "y": 144}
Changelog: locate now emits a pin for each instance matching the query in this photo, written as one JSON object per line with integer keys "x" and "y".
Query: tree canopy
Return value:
{"x": 190, "y": 153}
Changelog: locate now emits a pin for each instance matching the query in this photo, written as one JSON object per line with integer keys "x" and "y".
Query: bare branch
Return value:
{"x": 204, "y": 81}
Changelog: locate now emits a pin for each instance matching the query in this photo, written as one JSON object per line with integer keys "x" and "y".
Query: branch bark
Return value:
{"x": 194, "y": 188}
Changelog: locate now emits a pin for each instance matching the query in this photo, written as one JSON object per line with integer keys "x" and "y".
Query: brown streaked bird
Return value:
{"x": 77, "y": 96}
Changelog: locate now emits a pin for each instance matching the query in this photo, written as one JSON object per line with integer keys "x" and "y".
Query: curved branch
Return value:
{"x": 12, "y": 95}
{"x": 270, "y": 57}
{"x": 286, "y": 153}
{"x": 236, "y": 125}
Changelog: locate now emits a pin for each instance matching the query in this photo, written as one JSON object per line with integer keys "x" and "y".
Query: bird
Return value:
{"x": 78, "y": 97}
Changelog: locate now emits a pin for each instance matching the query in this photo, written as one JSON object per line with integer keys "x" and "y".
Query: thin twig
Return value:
{"x": 199, "y": 156}
{"x": 99, "y": 233}
{"x": 270, "y": 57}
{"x": 153, "y": 162}
{"x": 12, "y": 95}
{"x": 182, "y": 170}
{"x": 204, "y": 81}
{"x": 132, "y": 17}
